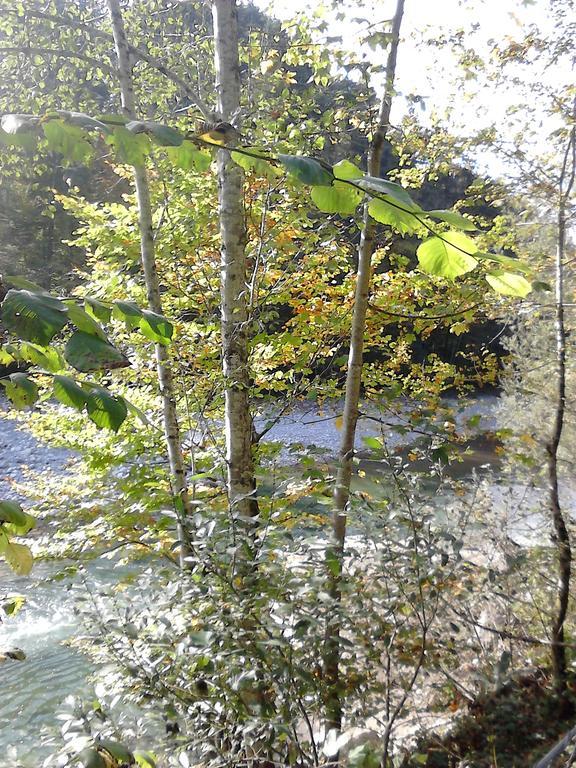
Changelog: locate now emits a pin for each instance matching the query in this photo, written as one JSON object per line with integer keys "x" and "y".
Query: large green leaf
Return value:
{"x": 257, "y": 161}
{"x": 68, "y": 140}
{"x": 82, "y": 320}
{"x": 340, "y": 198}
{"x": 307, "y": 170}
{"x": 347, "y": 170}
{"x": 453, "y": 218}
{"x": 12, "y": 512}
{"x": 509, "y": 284}
{"x": 91, "y": 353}
{"x": 156, "y": 327}
{"x": 447, "y": 256}
{"x": 17, "y": 281}
{"x": 395, "y": 216}
{"x": 130, "y": 148}
{"x": 18, "y": 556}
{"x": 69, "y": 393}
{"x": 90, "y": 758}
{"x": 189, "y": 157}
{"x": 82, "y": 120}
{"x": 33, "y": 316}
{"x": 162, "y": 134}
{"x": 505, "y": 261}
{"x": 100, "y": 309}
{"x": 106, "y": 410}
{"x": 47, "y": 358}
{"x": 20, "y": 390}
{"x": 390, "y": 189}
{"x": 129, "y": 312}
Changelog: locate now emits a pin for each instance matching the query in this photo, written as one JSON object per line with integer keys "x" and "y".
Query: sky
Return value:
{"x": 429, "y": 72}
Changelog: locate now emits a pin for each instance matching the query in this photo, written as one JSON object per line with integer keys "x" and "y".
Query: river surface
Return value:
{"x": 33, "y": 690}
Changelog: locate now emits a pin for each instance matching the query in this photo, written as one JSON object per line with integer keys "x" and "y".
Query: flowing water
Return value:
{"x": 33, "y": 690}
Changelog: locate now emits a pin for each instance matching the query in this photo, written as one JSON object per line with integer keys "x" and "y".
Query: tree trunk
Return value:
{"x": 241, "y": 482}
{"x": 335, "y": 554}
{"x": 562, "y": 538}
{"x": 148, "y": 259}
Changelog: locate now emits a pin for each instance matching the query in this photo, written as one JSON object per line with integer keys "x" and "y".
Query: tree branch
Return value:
{"x": 67, "y": 21}
{"x": 25, "y": 49}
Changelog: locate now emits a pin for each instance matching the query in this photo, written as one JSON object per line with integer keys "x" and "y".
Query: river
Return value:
{"x": 33, "y": 690}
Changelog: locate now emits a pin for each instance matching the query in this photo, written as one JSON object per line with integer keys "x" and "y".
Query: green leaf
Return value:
{"x": 82, "y": 120}
{"x": 260, "y": 165}
{"x": 91, "y": 759}
{"x": 82, "y": 320}
{"x": 189, "y": 157}
{"x": 129, "y": 312}
{"x": 346, "y": 170}
{"x": 117, "y": 750}
{"x": 162, "y": 134}
{"x": 12, "y": 604}
{"x": 18, "y": 556}
{"x": 339, "y": 198}
{"x": 156, "y": 327}
{"x": 67, "y": 392}
{"x": 145, "y": 760}
{"x": 47, "y": 358}
{"x": 91, "y": 353}
{"x": 21, "y": 282}
{"x": 373, "y": 442}
{"x": 448, "y": 256}
{"x": 453, "y": 218}
{"x": 99, "y": 309}
{"x": 20, "y": 390}
{"x": 390, "y": 189}
{"x": 106, "y": 410}
{"x": 12, "y": 512}
{"x": 307, "y": 170}
{"x": 130, "y": 148}
{"x": 505, "y": 261}
{"x": 400, "y": 220}
{"x": 509, "y": 284}
{"x": 33, "y": 316}
{"x": 67, "y": 140}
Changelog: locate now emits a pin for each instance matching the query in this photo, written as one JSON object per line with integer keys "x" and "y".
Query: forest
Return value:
{"x": 287, "y": 384}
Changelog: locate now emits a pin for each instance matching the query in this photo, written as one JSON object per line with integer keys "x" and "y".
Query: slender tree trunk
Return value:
{"x": 561, "y": 535}
{"x": 335, "y": 554}
{"x": 238, "y": 420}
{"x": 148, "y": 258}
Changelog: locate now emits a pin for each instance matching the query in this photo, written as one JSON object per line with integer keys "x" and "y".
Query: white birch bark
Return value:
{"x": 335, "y": 554}
{"x": 148, "y": 259}
{"x": 234, "y": 292}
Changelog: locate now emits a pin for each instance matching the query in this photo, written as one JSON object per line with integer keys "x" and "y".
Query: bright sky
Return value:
{"x": 428, "y": 72}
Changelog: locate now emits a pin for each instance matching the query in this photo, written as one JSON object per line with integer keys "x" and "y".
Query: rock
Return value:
{"x": 16, "y": 654}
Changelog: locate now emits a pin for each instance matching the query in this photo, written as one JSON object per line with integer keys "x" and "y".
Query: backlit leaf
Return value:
{"x": 33, "y": 316}
{"x": 67, "y": 392}
{"x": 189, "y": 157}
{"x": 67, "y": 140}
{"x": 447, "y": 256}
{"x": 20, "y": 390}
{"x": 106, "y": 410}
{"x": 338, "y": 198}
{"x": 400, "y": 219}
{"x": 509, "y": 284}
